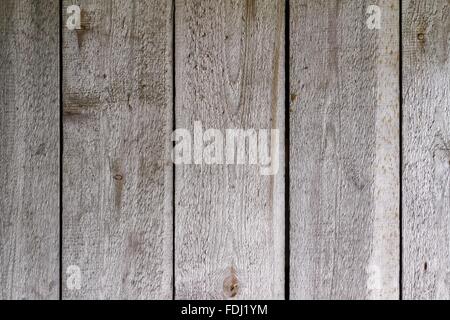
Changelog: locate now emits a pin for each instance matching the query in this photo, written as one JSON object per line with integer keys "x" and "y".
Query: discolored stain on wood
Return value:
{"x": 231, "y": 285}
{"x": 76, "y": 104}
{"x": 293, "y": 97}
{"x": 251, "y": 9}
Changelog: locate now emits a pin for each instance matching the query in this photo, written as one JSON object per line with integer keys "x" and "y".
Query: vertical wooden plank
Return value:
{"x": 29, "y": 149}
{"x": 117, "y": 218}
{"x": 426, "y": 149}
{"x": 344, "y": 153}
{"x": 229, "y": 218}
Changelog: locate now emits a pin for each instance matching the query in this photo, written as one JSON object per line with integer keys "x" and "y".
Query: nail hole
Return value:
{"x": 118, "y": 177}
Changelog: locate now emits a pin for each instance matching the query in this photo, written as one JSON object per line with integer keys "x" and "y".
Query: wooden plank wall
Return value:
{"x": 368, "y": 179}
{"x": 29, "y": 149}
{"x": 426, "y": 136}
{"x": 229, "y": 219}
{"x": 344, "y": 159}
{"x": 117, "y": 205}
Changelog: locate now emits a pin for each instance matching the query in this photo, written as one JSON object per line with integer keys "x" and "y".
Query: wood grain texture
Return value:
{"x": 426, "y": 149}
{"x": 229, "y": 238}
{"x": 344, "y": 152}
{"x": 29, "y": 149}
{"x": 117, "y": 170}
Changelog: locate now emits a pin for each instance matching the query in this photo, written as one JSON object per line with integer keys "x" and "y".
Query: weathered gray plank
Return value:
{"x": 29, "y": 149}
{"x": 117, "y": 170}
{"x": 426, "y": 149}
{"x": 229, "y": 218}
{"x": 344, "y": 153}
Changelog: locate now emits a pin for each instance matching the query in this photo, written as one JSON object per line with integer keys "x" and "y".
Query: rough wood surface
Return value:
{"x": 29, "y": 149}
{"x": 117, "y": 170}
{"x": 426, "y": 149}
{"x": 229, "y": 218}
{"x": 344, "y": 152}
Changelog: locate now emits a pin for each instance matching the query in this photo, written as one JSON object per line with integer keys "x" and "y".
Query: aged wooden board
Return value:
{"x": 426, "y": 149}
{"x": 29, "y": 149}
{"x": 229, "y": 65}
{"x": 344, "y": 152}
{"x": 117, "y": 219}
